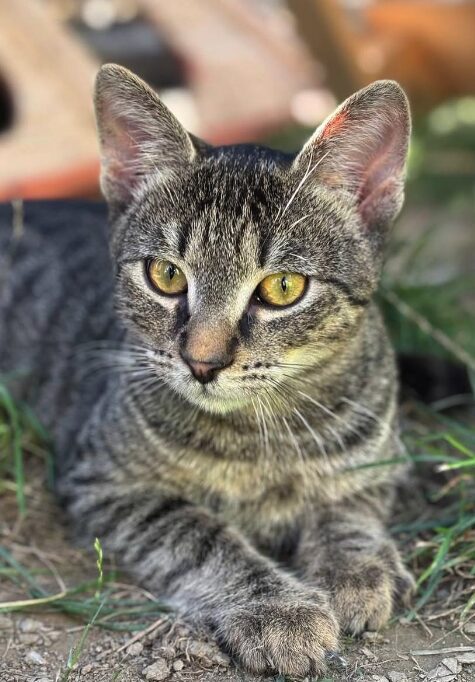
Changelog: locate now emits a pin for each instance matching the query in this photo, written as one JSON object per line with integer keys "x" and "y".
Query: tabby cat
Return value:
{"x": 214, "y": 372}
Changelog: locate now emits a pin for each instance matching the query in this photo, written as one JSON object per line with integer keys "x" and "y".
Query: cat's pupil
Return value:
{"x": 171, "y": 270}
{"x": 283, "y": 284}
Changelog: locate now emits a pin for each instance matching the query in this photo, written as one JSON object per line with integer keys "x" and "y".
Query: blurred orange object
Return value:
{"x": 49, "y": 150}
{"x": 427, "y": 45}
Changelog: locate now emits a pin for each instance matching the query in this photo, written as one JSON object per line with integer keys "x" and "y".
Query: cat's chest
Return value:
{"x": 247, "y": 493}
{"x": 246, "y": 482}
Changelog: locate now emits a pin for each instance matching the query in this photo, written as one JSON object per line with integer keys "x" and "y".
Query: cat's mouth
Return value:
{"x": 231, "y": 390}
{"x": 218, "y": 396}
{"x": 213, "y": 398}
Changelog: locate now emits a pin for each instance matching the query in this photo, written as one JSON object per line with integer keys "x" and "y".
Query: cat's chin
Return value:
{"x": 219, "y": 405}
{"x": 212, "y": 399}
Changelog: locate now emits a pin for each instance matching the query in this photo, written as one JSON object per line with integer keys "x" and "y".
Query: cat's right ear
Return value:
{"x": 139, "y": 137}
{"x": 361, "y": 149}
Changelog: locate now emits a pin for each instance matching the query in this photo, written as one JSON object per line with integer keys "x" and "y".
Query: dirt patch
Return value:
{"x": 35, "y": 643}
{"x": 35, "y": 648}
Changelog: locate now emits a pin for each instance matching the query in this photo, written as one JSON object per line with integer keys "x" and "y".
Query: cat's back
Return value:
{"x": 55, "y": 288}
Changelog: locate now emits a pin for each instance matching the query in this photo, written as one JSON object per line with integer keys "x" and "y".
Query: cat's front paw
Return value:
{"x": 283, "y": 635}
{"x": 364, "y": 593}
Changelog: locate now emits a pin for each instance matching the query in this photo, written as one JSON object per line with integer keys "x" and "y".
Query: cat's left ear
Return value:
{"x": 139, "y": 137}
{"x": 362, "y": 149}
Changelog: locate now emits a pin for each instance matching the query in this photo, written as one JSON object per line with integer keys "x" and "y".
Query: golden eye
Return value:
{"x": 281, "y": 289}
{"x": 166, "y": 277}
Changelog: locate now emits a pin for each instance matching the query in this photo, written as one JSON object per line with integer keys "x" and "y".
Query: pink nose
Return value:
{"x": 205, "y": 372}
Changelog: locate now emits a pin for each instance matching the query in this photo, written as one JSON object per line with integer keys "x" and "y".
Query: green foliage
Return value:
{"x": 82, "y": 600}
{"x": 431, "y": 319}
{"x": 76, "y": 651}
{"x": 434, "y": 313}
{"x": 11, "y": 451}
{"x": 20, "y": 431}
{"x": 100, "y": 567}
{"x": 446, "y": 542}
{"x": 442, "y": 159}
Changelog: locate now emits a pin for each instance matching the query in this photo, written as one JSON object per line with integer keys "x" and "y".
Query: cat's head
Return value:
{"x": 239, "y": 266}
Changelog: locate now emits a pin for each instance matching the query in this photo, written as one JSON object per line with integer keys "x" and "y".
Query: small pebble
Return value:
{"x": 30, "y": 625}
{"x": 395, "y": 676}
{"x": 441, "y": 673}
{"x": 373, "y": 636}
{"x": 87, "y": 669}
{"x": 468, "y": 628}
{"x": 167, "y": 652}
{"x": 178, "y": 665}
{"x": 29, "y": 638}
{"x": 135, "y": 649}
{"x": 157, "y": 671}
{"x": 451, "y": 664}
{"x": 201, "y": 650}
{"x": 35, "y": 658}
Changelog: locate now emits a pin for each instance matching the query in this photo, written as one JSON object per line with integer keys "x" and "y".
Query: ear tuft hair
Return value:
{"x": 138, "y": 135}
{"x": 362, "y": 149}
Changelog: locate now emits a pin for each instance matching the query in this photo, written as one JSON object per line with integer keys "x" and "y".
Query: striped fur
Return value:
{"x": 247, "y": 502}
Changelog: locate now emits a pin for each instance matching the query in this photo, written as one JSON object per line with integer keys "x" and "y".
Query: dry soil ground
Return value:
{"x": 35, "y": 644}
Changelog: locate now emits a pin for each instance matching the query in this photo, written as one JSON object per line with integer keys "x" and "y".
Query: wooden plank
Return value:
{"x": 325, "y": 27}
{"x": 244, "y": 66}
{"x": 51, "y": 148}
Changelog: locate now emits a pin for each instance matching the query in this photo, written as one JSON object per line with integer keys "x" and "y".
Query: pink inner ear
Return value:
{"x": 379, "y": 164}
{"x": 334, "y": 125}
{"x": 122, "y": 150}
{"x": 383, "y": 203}
{"x": 361, "y": 150}
{"x": 362, "y": 162}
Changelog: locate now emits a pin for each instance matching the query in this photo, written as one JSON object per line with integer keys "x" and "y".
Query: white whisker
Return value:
{"x": 316, "y": 437}
{"x": 295, "y": 441}
{"x": 306, "y": 175}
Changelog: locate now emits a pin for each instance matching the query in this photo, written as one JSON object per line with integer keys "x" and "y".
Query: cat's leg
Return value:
{"x": 348, "y": 550}
{"x": 264, "y": 617}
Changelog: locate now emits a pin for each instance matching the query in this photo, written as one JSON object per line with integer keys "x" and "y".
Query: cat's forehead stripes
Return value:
{"x": 231, "y": 221}
{"x": 229, "y": 210}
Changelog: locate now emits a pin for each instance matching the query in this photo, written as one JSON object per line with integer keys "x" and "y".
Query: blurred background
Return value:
{"x": 269, "y": 71}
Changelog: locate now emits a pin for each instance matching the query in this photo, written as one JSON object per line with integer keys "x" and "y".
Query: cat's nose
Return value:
{"x": 205, "y": 371}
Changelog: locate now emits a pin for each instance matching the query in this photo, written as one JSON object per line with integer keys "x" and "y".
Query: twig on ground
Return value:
{"x": 423, "y": 625}
{"x": 456, "y": 629}
{"x": 50, "y": 566}
{"x": 446, "y": 650}
{"x": 140, "y": 635}
{"x": 25, "y": 603}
